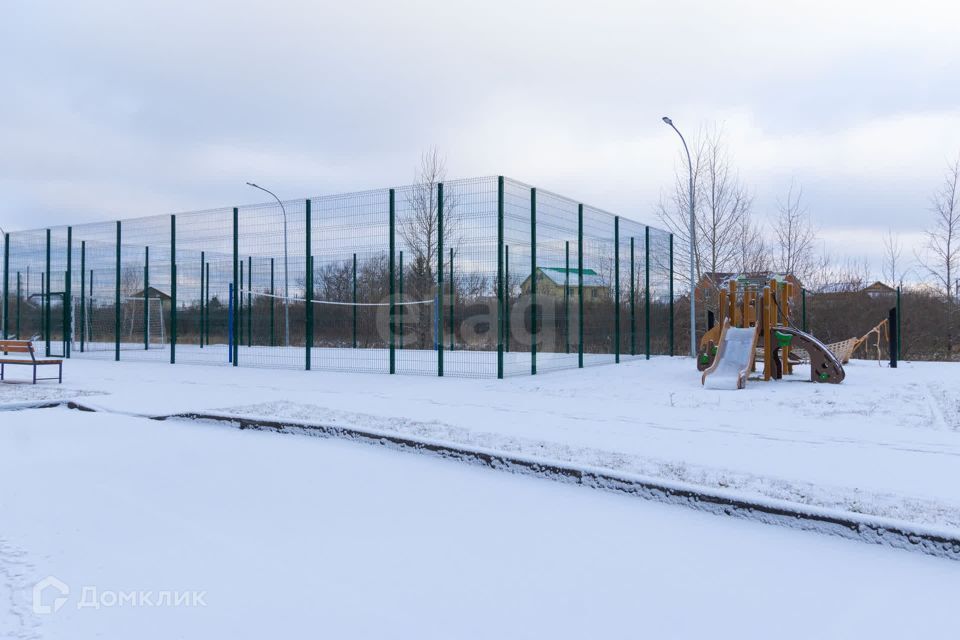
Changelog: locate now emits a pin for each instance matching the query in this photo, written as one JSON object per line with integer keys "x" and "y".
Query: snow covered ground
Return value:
{"x": 885, "y": 442}
{"x": 263, "y": 536}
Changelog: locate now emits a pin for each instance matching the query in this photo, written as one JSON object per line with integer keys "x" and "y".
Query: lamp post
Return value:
{"x": 693, "y": 240}
{"x": 286, "y": 272}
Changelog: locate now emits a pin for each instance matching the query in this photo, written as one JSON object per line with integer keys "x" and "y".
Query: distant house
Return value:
{"x": 879, "y": 290}
{"x": 153, "y": 293}
{"x": 551, "y": 281}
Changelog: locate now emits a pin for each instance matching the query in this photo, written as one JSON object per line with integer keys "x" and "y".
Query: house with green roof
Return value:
{"x": 551, "y": 281}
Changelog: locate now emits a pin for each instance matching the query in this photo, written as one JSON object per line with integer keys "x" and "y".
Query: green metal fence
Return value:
{"x": 485, "y": 277}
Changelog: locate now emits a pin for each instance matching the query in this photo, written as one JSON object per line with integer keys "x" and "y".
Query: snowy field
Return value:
{"x": 886, "y": 442}
{"x": 264, "y": 536}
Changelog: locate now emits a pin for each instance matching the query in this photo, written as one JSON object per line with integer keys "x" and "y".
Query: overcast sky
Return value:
{"x": 121, "y": 109}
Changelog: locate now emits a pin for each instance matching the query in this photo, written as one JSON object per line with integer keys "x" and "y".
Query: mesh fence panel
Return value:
{"x": 308, "y": 283}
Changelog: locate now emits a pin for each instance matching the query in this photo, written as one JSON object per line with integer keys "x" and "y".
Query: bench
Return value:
{"x": 26, "y": 347}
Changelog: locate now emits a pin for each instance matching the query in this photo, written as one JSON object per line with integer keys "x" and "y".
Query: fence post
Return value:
{"x": 234, "y": 290}
{"x": 439, "y": 314}
{"x": 230, "y": 324}
{"x": 533, "y": 282}
{"x": 240, "y": 305}
{"x": 803, "y": 307}
{"x": 19, "y": 294}
{"x": 355, "y": 300}
{"x": 46, "y": 301}
{"x": 646, "y": 298}
{"x": 566, "y": 296}
{"x": 308, "y": 310}
{"x": 453, "y": 304}
{"x": 116, "y": 300}
{"x": 616, "y": 289}
{"x": 500, "y": 287}
{"x": 273, "y": 308}
{"x": 393, "y": 301}
{"x": 206, "y": 307}
{"x": 899, "y": 324}
{"x": 250, "y": 302}
{"x": 173, "y": 290}
{"x": 506, "y": 300}
{"x": 671, "y": 296}
{"x": 633, "y": 299}
{"x": 83, "y": 295}
{"x": 203, "y": 263}
{"x": 580, "y": 286}
{"x": 146, "y": 298}
{"x": 68, "y": 298}
{"x": 402, "y": 307}
{"x": 6, "y": 286}
{"x": 894, "y": 324}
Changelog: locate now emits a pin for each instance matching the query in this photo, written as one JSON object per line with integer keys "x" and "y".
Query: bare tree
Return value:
{"x": 894, "y": 269}
{"x": 941, "y": 260}
{"x": 751, "y": 256}
{"x": 722, "y": 207}
{"x": 795, "y": 235}
{"x": 419, "y": 228}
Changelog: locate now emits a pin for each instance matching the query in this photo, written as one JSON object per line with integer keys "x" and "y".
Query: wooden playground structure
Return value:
{"x": 776, "y": 342}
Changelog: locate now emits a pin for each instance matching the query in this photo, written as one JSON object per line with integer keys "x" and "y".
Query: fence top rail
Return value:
{"x": 295, "y": 202}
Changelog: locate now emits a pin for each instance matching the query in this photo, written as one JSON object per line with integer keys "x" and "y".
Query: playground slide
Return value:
{"x": 824, "y": 365}
{"x": 734, "y": 359}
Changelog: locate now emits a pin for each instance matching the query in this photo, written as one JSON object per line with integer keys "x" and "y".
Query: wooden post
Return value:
{"x": 733, "y": 303}
{"x": 767, "y": 333}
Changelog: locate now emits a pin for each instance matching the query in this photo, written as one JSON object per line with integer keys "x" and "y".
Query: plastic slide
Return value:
{"x": 824, "y": 365}
{"x": 734, "y": 358}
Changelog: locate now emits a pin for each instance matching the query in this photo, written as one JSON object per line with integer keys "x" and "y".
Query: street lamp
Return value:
{"x": 693, "y": 239}
{"x": 286, "y": 273}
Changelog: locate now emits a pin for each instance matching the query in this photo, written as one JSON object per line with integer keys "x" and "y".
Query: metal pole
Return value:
{"x": 146, "y": 298}
{"x": 116, "y": 300}
{"x": 566, "y": 296}
{"x": 68, "y": 298}
{"x": 672, "y": 347}
{"x": 616, "y": 288}
{"x": 453, "y": 303}
{"x": 46, "y": 301}
{"x": 286, "y": 272}
{"x": 250, "y": 302}
{"x": 693, "y": 243}
{"x": 235, "y": 290}
{"x": 506, "y": 301}
{"x": 173, "y": 290}
{"x": 6, "y": 286}
{"x": 355, "y": 299}
{"x": 646, "y": 301}
{"x": 440, "y": 279}
{"x": 273, "y": 307}
{"x": 580, "y": 286}
{"x": 633, "y": 299}
{"x": 400, "y": 310}
{"x": 19, "y": 293}
{"x": 393, "y": 301}
{"x": 83, "y": 295}
{"x": 308, "y": 338}
{"x": 203, "y": 261}
{"x": 500, "y": 287}
{"x": 533, "y": 282}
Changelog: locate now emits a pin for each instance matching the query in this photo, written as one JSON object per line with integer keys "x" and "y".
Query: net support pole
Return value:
{"x": 46, "y": 301}
{"x": 400, "y": 311}
{"x": 173, "y": 290}
{"x": 616, "y": 289}
{"x": 533, "y": 282}
{"x": 392, "y": 224}
{"x": 566, "y": 297}
{"x": 146, "y": 298}
{"x": 68, "y": 298}
{"x": 234, "y": 286}
{"x": 308, "y": 335}
{"x": 439, "y": 279}
{"x": 250, "y": 301}
{"x": 646, "y": 293}
{"x": 6, "y": 285}
{"x": 203, "y": 266}
{"x": 230, "y": 324}
{"x": 633, "y": 298}
{"x": 355, "y": 300}
{"x": 580, "y": 286}
{"x": 672, "y": 347}
{"x": 453, "y": 304}
{"x": 500, "y": 287}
